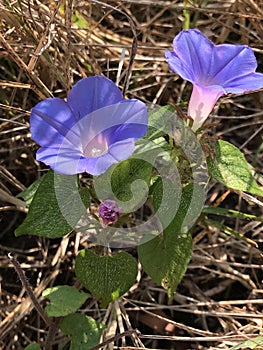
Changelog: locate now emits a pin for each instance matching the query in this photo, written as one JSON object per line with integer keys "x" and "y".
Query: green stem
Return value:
{"x": 186, "y": 13}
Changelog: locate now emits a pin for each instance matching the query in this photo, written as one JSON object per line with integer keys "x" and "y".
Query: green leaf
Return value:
{"x": 126, "y": 173}
{"x": 249, "y": 344}
{"x": 28, "y": 194}
{"x": 186, "y": 205}
{"x": 231, "y": 169}
{"x": 192, "y": 202}
{"x": 128, "y": 181}
{"x": 230, "y": 213}
{"x": 56, "y": 207}
{"x": 165, "y": 258}
{"x": 166, "y": 200}
{"x": 227, "y": 230}
{"x": 32, "y": 347}
{"x": 79, "y": 20}
{"x": 158, "y": 118}
{"x": 84, "y": 331}
{"x": 64, "y": 300}
{"x": 106, "y": 277}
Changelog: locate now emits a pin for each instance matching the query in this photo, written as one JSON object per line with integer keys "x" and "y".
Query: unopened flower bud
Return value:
{"x": 109, "y": 212}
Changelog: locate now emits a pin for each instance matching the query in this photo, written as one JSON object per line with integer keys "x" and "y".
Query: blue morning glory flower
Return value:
{"x": 91, "y": 130}
{"x": 214, "y": 70}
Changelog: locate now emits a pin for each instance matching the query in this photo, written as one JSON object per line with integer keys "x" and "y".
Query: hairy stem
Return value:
{"x": 28, "y": 289}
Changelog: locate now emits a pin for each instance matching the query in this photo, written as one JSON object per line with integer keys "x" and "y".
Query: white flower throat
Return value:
{"x": 96, "y": 147}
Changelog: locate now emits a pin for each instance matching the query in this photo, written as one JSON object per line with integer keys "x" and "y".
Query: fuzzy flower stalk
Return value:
{"x": 214, "y": 70}
{"x": 91, "y": 130}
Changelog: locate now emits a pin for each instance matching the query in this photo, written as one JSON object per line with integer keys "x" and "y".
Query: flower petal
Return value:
{"x": 62, "y": 160}
{"x": 214, "y": 70}
{"x": 229, "y": 62}
{"x": 94, "y": 129}
{"x": 202, "y": 102}
{"x": 178, "y": 66}
{"x": 197, "y": 59}
{"x": 98, "y": 166}
{"x": 253, "y": 81}
{"x": 90, "y": 94}
{"x": 116, "y": 153}
{"x": 122, "y": 150}
{"x": 191, "y": 55}
{"x": 50, "y": 121}
{"x": 69, "y": 162}
{"x": 133, "y": 122}
{"x": 117, "y": 122}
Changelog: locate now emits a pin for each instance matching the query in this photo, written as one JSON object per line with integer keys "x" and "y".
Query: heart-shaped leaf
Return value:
{"x": 28, "y": 194}
{"x": 64, "y": 300}
{"x": 165, "y": 258}
{"x": 32, "y": 347}
{"x": 230, "y": 168}
{"x": 255, "y": 343}
{"x": 106, "y": 277}
{"x": 56, "y": 207}
{"x": 185, "y": 204}
{"x": 84, "y": 331}
{"x": 128, "y": 182}
{"x": 158, "y": 118}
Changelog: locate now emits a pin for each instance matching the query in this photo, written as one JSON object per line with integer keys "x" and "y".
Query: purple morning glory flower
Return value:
{"x": 109, "y": 212}
{"x": 91, "y": 130}
{"x": 214, "y": 70}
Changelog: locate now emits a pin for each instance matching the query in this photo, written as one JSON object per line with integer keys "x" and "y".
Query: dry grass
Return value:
{"x": 45, "y": 46}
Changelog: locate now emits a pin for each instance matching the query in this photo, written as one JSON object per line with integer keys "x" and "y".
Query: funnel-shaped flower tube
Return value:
{"x": 214, "y": 70}
{"x": 93, "y": 129}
